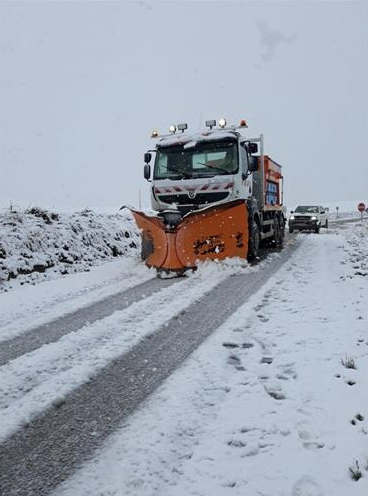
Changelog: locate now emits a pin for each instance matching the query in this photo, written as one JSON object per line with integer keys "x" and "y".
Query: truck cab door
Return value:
{"x": 246, "y": 182}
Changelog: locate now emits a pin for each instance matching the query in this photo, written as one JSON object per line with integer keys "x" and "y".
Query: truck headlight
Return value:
{"x": 313, "y": 218}
{"x": 291, "y": 217}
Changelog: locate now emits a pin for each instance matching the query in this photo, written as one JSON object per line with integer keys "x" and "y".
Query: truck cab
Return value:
{"x": 191, "y": 172}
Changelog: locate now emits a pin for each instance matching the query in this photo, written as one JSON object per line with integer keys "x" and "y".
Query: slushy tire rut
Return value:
{"x": 53, "y": 331}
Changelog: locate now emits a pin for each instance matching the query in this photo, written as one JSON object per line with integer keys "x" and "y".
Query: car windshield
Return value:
{"x": 306, "y": 210}
{"x": 203, "y": 160}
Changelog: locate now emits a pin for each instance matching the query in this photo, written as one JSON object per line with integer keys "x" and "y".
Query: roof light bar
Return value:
{"x": 154, "y": 134}
{"x": 172, "y": 129}
{"x": 210, "y": 124}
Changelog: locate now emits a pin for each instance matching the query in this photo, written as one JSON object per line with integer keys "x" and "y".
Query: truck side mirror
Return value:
{"x": 252, "y": 163}
{"x": 147, "y": 158}
{"x": 291, "y": 211}
{"x": 147, "y": 171}
{"x": 253, "y": 148}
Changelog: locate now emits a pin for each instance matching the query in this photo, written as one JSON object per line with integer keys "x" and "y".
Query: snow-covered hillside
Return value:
{"x": 37, "y": 245}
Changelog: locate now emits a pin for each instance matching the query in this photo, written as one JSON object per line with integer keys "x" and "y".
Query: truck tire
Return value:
{"x": 253, "y": 244}
{"x": 277, "y": 237}
{"x": 291, "y": 229}
{"x": 282, "y": 227}
{"x": 326, "y": 224}
{"x": 316, "y": 229}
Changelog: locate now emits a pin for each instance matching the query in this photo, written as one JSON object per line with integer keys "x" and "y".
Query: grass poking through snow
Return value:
{"x": 348, "y": 362}
{"x": 355, "y": 472}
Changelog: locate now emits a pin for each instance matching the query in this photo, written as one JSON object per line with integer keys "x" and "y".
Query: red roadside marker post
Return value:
{"x": 361, "y": 208}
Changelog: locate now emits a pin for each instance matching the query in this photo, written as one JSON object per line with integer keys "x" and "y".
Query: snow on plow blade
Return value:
{"x": 174, "y": 243}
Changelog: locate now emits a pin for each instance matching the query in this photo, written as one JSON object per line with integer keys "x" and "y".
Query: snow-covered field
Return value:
{"x": 274, "y": 403}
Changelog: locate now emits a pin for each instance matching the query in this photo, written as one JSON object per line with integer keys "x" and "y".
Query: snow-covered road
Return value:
{"x": 267, "y": 405}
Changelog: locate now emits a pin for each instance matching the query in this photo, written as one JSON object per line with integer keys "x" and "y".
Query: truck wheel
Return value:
{"x": 291, "y": 229}
{"x": 316, "y": 229}
{"x": 282, "y": 227}
{"x": 277, "y": 237}
{"x": 326, "y": 224}
{"x": 253, "y": 244}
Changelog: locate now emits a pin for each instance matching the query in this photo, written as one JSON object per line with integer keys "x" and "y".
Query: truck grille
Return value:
{"x": 302, "y": 220}
{"x": 200, "y": 199}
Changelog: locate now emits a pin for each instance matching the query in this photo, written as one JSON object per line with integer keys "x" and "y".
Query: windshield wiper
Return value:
{"x": 219, "y": 169}
{"x": 214, "y": 167}
{"x": 180, "y": 175}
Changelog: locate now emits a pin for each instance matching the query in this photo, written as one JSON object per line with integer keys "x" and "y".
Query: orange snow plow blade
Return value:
{"x": 215, "y": 232}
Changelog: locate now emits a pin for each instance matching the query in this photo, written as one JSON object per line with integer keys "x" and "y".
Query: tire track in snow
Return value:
{"x": 54, "y": 330}
{"x": 38, "y": 380}
{"x": 54, "y": 444}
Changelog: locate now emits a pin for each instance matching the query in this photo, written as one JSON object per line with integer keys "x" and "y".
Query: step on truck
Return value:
{"x": 215, "y": 194}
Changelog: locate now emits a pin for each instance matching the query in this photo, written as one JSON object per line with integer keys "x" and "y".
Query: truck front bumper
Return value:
{"x": 309, "y": 225}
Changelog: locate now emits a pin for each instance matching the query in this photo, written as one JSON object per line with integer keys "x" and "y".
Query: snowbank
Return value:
{"x": 36, "y": 244}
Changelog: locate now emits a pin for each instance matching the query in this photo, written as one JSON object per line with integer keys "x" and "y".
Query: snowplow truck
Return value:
{"x": 215, "y": 195}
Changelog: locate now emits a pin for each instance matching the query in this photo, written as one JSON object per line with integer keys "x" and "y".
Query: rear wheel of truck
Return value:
{"x": 253, "y": 244}
{"x": 282, "y": 227}
{"x": 278, "y": 235}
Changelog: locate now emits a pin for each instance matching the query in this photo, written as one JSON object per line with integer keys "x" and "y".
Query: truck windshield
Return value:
{"x": 306, "y": 210}
{"x": 203, "y": 160}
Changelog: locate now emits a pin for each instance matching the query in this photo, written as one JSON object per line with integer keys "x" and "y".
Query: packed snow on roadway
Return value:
{"x": 273, "y": 403}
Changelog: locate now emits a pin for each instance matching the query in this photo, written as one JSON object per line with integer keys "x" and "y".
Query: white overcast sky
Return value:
{"x": 84, "y": 83}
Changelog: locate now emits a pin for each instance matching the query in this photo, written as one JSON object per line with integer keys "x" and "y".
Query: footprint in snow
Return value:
{"x": 313, "y": 445}
{"x": 308, "y": 441}
{"x": 287, "y": 372}
{"x": 230, "y": 345}
{"x": 236, "y": 443}
{"x": 274, "y": 390}
{"x": 277, "y": 395}
{"x": 266, "y": 359}
{"x": 358, "y": 418}
{"x": 306, "y": 486}
{"x": 235, "y": 362}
